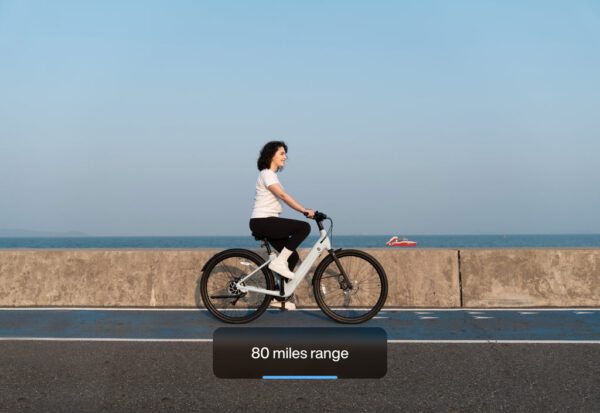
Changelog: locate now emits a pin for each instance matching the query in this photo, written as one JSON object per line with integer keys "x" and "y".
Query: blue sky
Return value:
{"x": 425, "y": 117}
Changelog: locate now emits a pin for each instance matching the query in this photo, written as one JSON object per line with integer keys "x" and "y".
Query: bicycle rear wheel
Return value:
{"x": 361, "y": 301}
{"x": 223, "y": 299}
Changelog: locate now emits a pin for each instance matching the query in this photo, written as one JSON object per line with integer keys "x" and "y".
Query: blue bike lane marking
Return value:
{"x": 455, "y": 325}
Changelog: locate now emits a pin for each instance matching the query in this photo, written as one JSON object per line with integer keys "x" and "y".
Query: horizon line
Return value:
{"x": 83, "y": 235}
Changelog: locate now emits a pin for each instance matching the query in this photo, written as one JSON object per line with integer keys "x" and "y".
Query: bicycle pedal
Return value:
{"x": 277, "y": 305}
{"x": 283, "y": 305}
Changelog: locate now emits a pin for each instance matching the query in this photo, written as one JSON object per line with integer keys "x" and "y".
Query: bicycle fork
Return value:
{"x": 344, "y": 280}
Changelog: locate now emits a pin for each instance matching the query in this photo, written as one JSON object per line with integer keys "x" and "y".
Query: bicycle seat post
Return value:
{"x": 265, "y": 243}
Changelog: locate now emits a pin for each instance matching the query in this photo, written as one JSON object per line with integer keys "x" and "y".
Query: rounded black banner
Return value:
{"x": 290, "y": 353}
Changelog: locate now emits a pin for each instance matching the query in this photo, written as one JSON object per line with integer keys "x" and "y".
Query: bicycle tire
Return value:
{"x": 220, "y": 296}
{"x": 364, "y": 300}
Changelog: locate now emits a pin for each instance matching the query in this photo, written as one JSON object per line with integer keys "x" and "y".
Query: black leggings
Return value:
{"x": 282, "y": 232}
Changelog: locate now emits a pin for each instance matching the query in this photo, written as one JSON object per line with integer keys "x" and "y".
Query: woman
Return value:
{"x": 285, "y": 235}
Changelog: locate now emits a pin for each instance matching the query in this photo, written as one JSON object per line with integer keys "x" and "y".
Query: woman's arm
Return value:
{"x": 278, "y": 191}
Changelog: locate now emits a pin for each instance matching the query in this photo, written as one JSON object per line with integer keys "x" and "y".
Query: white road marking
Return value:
{"x": 209, "y": 340}
{"x": 498, "y": 341}
{"x": 476, "y": 312}
{"x": 166, "y": 340}
{"x": 378, "y": 317}
{"x": 428, "y": 318}
{"x": 481, "y": 318}
{"x": 423, "y": 312}
{"x": 527, "y": 312}
{"x": 584, "y": 312}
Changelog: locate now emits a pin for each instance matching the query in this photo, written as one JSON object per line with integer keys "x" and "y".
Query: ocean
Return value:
{"x": 338, "y": 241}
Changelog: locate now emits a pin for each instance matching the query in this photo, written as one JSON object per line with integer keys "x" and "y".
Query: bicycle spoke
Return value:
{"x": 347, "y": 300}
{"x": 355, "y": 304}
{"x": 221, "y": 294}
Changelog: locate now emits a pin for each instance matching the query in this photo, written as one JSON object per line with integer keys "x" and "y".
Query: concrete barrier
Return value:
{"x": 169, "y": 278}
{"x": 417, "y": 278}
{"x": 530, "y": 277}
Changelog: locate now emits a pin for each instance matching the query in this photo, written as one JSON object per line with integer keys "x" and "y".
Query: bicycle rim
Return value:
{"x": 221, "y": 297}
{"x": 351, "y": 305}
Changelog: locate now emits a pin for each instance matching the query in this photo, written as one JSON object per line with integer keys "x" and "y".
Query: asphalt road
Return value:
{"x": 177, "y": 376}
{"x": 532, "y": 373}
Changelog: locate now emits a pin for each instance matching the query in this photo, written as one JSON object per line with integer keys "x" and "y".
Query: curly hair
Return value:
{"x": 267, "y": 153}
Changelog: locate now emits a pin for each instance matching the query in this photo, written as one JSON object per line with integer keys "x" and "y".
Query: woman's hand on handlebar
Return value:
{"x": 309, "y": 213}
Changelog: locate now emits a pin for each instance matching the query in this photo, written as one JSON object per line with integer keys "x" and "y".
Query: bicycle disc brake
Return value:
{"x": 234, "y": 290}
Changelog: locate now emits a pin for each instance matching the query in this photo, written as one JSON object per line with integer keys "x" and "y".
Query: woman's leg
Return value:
{"x": 292, "y": 231}
{"x": 282, "y": 233}
{"x": 278, "y": 244}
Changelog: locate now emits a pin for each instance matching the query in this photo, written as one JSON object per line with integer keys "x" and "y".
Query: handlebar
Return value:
{"x": 319, "y": 216}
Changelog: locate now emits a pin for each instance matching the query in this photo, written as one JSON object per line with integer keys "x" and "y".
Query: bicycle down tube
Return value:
{"x": 322, "y": 244}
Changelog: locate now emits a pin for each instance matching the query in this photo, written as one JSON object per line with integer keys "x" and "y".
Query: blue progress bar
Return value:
{"x": 300, "y": 377}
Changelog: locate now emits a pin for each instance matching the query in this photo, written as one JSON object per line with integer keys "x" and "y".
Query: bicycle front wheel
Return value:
{"x": 223, "y": 299}
{"x": 355, "y": 303}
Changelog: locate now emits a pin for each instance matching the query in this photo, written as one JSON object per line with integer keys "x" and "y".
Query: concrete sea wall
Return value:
{"x": 530, "y": 278}
{"x": 417, "y": 278}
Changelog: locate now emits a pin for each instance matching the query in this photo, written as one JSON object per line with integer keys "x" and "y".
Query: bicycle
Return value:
{"x": 350, "y": 286}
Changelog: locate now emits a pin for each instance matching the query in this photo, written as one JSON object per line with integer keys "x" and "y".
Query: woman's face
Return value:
{"x": 279, "y": 158}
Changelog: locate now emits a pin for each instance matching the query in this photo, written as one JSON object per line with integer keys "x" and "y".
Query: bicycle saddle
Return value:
{"x": 259, "y": 237}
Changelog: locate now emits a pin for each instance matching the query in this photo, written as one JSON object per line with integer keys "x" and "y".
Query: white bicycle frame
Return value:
{"x": 322, "y": 244}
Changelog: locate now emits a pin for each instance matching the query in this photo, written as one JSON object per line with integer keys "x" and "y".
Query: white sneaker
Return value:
{"x": 281, "y": 268}
{"x": 288, "y": 305}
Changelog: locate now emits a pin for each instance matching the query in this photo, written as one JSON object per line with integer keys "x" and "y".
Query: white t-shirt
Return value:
{"x": 265, "y": 203}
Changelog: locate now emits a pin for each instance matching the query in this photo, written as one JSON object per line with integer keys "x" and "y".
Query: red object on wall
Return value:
{"x": 397, "y": 242}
